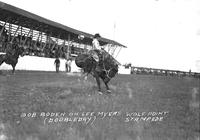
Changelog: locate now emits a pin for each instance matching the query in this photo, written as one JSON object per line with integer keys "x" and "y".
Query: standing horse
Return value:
{"x": 12, "y": 55}
{"x": 108, "y": 68}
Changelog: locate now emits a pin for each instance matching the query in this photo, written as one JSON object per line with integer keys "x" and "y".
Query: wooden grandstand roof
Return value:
{"x": 14, "y": 15}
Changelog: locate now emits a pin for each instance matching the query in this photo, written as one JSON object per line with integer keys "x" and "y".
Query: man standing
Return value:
{"x": 57, "y": 63}
{"x": 68, "y": 65}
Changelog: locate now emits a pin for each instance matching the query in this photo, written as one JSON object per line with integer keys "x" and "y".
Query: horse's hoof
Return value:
{"x": 101, "y": 93}
{"x": 108, "y": 91}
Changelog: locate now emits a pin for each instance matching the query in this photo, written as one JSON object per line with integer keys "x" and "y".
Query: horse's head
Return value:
{"x": 113, "y": 71}
{"x": 109, "y": 74}
{"x": 109, "y": 62}
{"x": 110, "y": 67}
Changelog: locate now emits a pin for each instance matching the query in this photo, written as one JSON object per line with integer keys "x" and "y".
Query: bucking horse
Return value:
{"x": 108, "y": 67}
{"x": 12, "y": 54}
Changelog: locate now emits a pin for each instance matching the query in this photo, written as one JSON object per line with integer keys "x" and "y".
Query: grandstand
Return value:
{"x": 45, "y": 38}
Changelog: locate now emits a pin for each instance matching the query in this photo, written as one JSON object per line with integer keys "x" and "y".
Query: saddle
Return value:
{"x": 98, "y": 53}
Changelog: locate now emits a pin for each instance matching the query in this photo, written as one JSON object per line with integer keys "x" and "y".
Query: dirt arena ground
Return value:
{"x": 57, "y": 106}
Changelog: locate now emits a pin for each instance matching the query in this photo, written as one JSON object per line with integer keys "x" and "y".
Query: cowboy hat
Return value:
{"x": 97, "y": 35}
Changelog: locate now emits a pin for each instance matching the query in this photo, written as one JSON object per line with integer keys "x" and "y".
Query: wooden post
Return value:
{"x": 41, "y": 40}
{"x": 68, "y": 47}
{"x": 26, "y": 37}
{"x": 54, "y": 44}
{"x": 64, "y": 43}
{"x": 9, "y": 29}
{"x": 21, "y": 36}
{"x": 2, "y": 28}
{"x": 31, "y": 43}
{"x": 118, "y": 52}
{"x": 109, "y": 48}
{"x": 15, "y": 34}
{"x": 85, "y": 48}
{"x": 113, "y": 50}
{"x": 64, "y": 47}
{"x": 37, "y": 39}
{"x": 45, "y": 42}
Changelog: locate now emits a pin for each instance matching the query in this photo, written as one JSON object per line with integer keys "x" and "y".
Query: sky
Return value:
{"x": 158, "y": 33}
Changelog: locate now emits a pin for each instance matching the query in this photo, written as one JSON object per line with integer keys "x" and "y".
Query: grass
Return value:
{"x": 37, "y": 92}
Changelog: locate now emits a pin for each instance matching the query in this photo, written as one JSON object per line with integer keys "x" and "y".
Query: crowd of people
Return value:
{"x": 32, "y": 47}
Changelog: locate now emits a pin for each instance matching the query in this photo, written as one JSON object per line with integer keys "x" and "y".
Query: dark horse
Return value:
{"x": 12, "y": 55}
{"x": 107, "y": 65}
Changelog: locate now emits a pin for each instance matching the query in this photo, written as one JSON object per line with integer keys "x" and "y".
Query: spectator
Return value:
{"x": 57, "y": 63}
{"x": 68, "y": 65}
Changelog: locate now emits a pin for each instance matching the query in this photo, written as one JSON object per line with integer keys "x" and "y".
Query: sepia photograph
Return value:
{"x": 99, "y": 69}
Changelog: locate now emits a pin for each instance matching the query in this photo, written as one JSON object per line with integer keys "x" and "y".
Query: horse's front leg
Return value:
{"x": 106, "y": 81}
{"x": 13, "y": 71}
{"x": 107, "y": 87}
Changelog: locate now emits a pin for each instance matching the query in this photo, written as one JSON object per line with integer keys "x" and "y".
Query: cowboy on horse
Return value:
{"x": 98, "y": 63}
{"x": 96, "y": 51}
{"x": 12, "y": 54}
